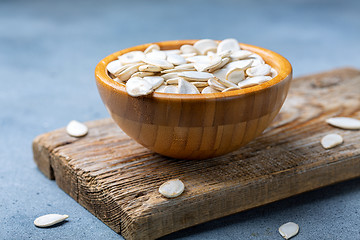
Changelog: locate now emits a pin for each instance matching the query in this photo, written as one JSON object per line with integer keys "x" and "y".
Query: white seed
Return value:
{"x": 76, "y": 129}
{"x": 114, "y": 66}
{"x": 228, "y": 44}
{"x": 344, "y": 123}
{"x": 187, "y": 66}
{"x": 224, "y": 61}
{"x": 157, "y": 55}
{"x": 221, "y": 73}
{"x": 196, "y": 76}
{"x": 138, "y": 87}
{"x": 126, "y": 74}
{"x": 256, "y": 56}
{"x": 171, "y": 89}
{"x": 227, "y": 83}
{"x": 253, "y": 81}
{"x": 273, "y": 73}
{"x": 260, "y": 70}
{"x": 118, "y": 80}
{"x": 151, "y": 48}
{"x": 172, "y": 52}
{"x": 230, "y": 89}
{"x": 198, "y": 59}
{"x": 187, "y": 55}
{"x": 200, "y": 84}
{"x": 142, "y": 74}
{"x": 155, "y": 81}
{"x": 240, "y": 54}
{"x": 235, "y": 75}
{"x": 209, "y": 90}
{"x": 185, "y": 87}
{"x": 172, "y": 188}
{"x": 176, "y": 59}
{"x": 241, "y": 64}
{"x": 331, "y": 140}
{"x": 188, "y": 49}
{"x": 225, "y": 54}
{"x": 131, "y": 57}
{"x": 289, "y": 230}
{"x": 212, "y": 62}
{"x": 175, "y": 70}
{"x": 210, "y": 51}
{"x": 158, "y": 62}
{"x": 169, "y": 75}
{"x": 257, "y": 62}
{"x": 214, "y": 83}
{"x": 49, "y": 220}
{"x": 160, "y": 89}
{"x": 149, "y": 68}
{"x": 173, "y": 81}
{"x": 204, "y": 45}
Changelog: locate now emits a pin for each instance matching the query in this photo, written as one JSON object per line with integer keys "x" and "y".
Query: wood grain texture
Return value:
{"x": 196, "y": 126}
{"x": 117, "y": 179}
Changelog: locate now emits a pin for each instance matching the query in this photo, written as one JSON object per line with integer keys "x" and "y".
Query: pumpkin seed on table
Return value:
{"x": 289, "y": 230}
{"x": 49, "y": 220}
{"x": 208, "y": 66}
{"x": 76, "y": 129}
{"x": 172, "y": 188}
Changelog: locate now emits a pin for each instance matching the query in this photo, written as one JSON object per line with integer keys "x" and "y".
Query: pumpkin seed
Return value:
{"x": 151, "y": 48}
{"x": 209, "y": 90}
{"x": 137, "y": 86}
{"x": 188, "y": 49}
{"x": 155, "y": 81}
{"x": 228, "y": 44}
{"x": 331, "y": 140}
{"x": 235, "y": 75}
{"x": 49, "y": 220}
{"x": 204, "y": 45}
{"x": 260, "y": 70}
{"x": 171, "y": 89}
{"x": 289, "y": 230}
{"x": 176, "y": 59}
{"x": 131, "y": 57}
{"x": 186, "y": 88}
{"x": 76, "y": 129}
{"x": 158, "y": 62}
{"x": 172, "y": 188}
{"x": 195, "y": 76}
{"x": 344, "y": 123}
{"x": 114, "y": 66}
{"x": 149, "y": 68}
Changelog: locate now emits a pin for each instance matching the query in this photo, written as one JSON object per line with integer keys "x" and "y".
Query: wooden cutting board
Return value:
{"x": 117, "y": 179}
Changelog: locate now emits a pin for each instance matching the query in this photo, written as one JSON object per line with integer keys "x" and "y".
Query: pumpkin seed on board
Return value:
{"x": 209, "y": 90}
{"x": 228, "y": 44}
{"x": 76, "y": 129}
{"x": 344, "y": 123}
{"x": 331, "y": 140}
{"x": 172, "y": 188}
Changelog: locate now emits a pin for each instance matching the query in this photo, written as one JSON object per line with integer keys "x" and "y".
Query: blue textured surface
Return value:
{"x": 48, "y": 52}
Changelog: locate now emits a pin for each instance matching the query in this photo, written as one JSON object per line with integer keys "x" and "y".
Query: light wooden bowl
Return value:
{"x": 196, "y": 126}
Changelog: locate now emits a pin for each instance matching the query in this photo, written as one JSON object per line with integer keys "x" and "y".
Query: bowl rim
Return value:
{"x": 275, "y": 60}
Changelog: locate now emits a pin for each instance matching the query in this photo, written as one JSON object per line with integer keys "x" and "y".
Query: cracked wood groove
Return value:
{"x": 117, "y": 179}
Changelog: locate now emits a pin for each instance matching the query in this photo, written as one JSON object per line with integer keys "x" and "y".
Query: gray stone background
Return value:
{"x": 48, "y": 52}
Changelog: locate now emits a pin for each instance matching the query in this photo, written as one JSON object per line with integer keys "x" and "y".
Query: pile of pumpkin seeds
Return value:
{"x": 205, "y": 67}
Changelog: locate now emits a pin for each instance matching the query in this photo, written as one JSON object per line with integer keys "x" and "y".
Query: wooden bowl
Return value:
{"x": 196, "y": 126}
